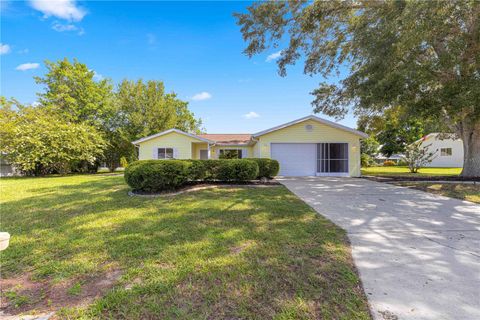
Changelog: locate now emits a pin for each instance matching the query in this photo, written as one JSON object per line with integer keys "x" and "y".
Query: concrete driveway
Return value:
{"x": 418, "y": 254}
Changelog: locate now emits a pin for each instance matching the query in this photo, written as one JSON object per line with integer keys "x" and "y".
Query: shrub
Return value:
{"x": 123, "y": 162}
{"x": 197, "y": 170}
{"x": 365, "y": 160}
{"x": 267, "y": 168}
{"x": 388, "y": 163}
{"x": 237, "y": 170}
{"x": 157, "y": 175}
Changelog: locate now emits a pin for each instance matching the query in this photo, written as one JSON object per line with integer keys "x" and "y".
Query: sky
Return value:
{"x": 195, "y": 48}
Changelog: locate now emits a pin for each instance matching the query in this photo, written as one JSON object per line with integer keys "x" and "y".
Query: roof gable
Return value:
{"x": 170, "y": 131}
{"x": 314, "y": 118}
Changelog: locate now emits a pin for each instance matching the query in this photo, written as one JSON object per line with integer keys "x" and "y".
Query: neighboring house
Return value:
{"x": 305, "y": 147}
{"x": 7, "y": 169}
{"x": 381, "y": 158}
{"x": 448, "y": 151}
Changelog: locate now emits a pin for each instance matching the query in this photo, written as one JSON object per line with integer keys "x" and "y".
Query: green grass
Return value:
{"x": 239, "y": 253}
{"x": 470, "y": 192}
{"x": 403, "y": 171}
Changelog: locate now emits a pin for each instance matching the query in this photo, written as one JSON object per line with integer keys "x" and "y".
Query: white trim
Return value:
{"x": 170, "y": 131}
{"x": 314, "y": 118}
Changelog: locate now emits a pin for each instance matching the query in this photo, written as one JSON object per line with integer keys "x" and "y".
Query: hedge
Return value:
{"x": 267, "y": 168}
{"x": 156, "y": 175}
{"x": 160, "y": 175}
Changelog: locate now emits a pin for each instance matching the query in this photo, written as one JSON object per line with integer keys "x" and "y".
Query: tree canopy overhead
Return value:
{"x": 421, "y": 55}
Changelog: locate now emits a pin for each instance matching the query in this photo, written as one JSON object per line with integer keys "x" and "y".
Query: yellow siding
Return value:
{"x": 182, "y": 144}
{"x": 320, "y": 133}
{"x": 196, "y": 147}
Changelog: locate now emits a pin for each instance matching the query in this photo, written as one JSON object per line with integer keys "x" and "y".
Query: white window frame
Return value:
{"x": 165, "y": 153}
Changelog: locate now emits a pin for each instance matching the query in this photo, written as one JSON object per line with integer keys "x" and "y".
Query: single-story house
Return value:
{"x": 381, "y": 158}
{"x": 447, "y": 148}
{"x": 307, "y": 146}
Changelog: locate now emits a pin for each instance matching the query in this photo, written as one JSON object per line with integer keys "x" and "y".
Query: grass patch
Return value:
{"x": 469, "y": 192}
{"x": 239, "y": 253}
{"x": 404, "y": 171}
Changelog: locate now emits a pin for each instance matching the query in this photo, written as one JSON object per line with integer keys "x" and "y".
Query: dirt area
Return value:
{"x": 23, "y": 294}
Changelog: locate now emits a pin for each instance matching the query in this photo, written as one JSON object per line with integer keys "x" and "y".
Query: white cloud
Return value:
{"x": 27, "y": 66}
{"x": 251, "y": 115}
{"x": 273, "y": 56}
{"x": 202, "y": 96}
{"x": 62, "y": 9}
{"x": 59, "y": 27}
{"x": 4, "y": 48}
{"x": 23, "y": 51}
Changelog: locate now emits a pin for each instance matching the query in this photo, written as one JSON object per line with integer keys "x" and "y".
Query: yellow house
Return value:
{"x": 309, "y": 146}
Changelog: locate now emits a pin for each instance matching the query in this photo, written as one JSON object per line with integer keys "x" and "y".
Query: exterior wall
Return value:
{"x": 215, "y": 151}
{"x": 182, "y": 145}
{"x": 298, "y": 133}
{"x": 196, "y": 147}
{"x": 455, "y": 160}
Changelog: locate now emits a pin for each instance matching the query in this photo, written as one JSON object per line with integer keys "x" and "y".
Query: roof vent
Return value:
{"x": 309, "y": 127}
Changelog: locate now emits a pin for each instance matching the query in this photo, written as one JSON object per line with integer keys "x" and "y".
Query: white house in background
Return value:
{"x": 448, "y": 151}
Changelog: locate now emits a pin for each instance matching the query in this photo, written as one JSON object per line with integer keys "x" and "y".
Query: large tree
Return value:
{"x": 72, "y": 90}
{"x": 421, "y": 55}
{"x": 145, "y": 108}
{"x": 38, "y": 141}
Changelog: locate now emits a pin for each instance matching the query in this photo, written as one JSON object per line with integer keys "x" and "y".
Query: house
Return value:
{"x": 447, "y": 148}
{"x": 307, "y": 146}
{"x": 381, "y": 158}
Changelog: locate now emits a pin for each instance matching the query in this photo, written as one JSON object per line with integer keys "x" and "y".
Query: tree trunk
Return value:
{"x": 470, "y": 133}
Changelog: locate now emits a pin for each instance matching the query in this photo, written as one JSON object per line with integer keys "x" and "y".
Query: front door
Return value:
{"x": 203, "y": 154}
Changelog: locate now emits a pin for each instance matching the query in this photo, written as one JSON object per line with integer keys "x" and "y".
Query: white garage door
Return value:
{"x": 296, "y": 159}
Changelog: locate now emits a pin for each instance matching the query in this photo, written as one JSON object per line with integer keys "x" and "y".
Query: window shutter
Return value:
{"x": 155, "y": 153}
{"x": 175, "y": 153}
{"x": 244, "y": 153}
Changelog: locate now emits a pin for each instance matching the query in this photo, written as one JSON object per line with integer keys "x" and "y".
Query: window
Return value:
{"x": 445, "y": 152}
{"x": 332, "y": 157}
{"x": 165, "y": 153}
{"x": 230, "y": 154}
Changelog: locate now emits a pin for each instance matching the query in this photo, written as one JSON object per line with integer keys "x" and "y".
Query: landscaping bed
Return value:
{"x": 82, "y": 248}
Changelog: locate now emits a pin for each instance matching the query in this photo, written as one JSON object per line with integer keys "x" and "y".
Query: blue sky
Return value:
{"x": 194, "y": 47}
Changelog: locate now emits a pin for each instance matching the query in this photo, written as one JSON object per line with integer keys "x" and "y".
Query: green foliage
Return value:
{"x": 417, "y": 156}
{"x": 369, "y": 146}
{"x": 40, "y": 142}
{"x": 156, "y": 175}
{"x": 397, "y": 134}
{"x": 144, "y": 108}
{"x": 267, "y": 168}
{"x": 160, "y": 175}
{"x": 123, "y": 162}
{"x": 419, "y": 55}
{"x": 237, "y": 170}
{"x": 365, "y": 160}
{"x": 71, "y": 90}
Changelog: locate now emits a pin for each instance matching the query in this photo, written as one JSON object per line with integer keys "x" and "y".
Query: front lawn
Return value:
{"x": 82, "y": 247}
{"x": 405, "y": 172}
{"x": 470, "y": 192}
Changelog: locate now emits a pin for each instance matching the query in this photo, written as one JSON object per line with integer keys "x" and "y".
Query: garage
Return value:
{"x": 296, "y": 159}
{"x": 310, "y": 159}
